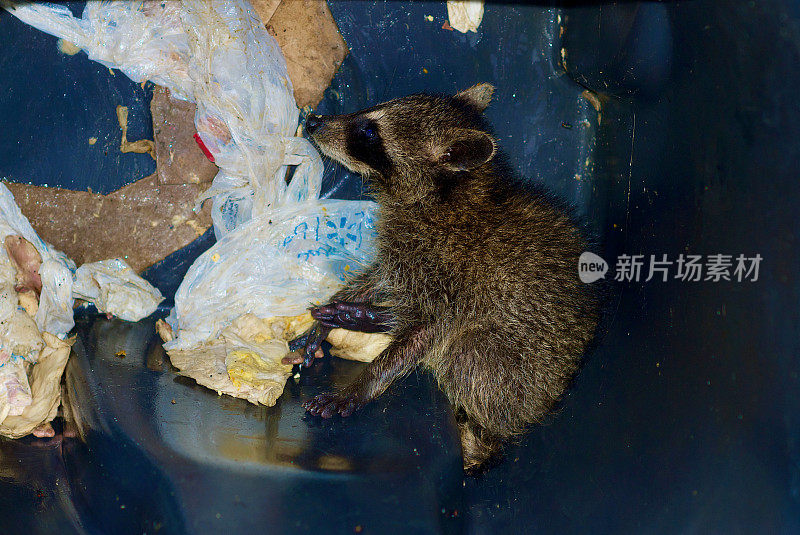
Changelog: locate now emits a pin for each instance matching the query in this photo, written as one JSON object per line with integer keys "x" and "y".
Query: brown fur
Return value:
{"x": 480, "y": 276}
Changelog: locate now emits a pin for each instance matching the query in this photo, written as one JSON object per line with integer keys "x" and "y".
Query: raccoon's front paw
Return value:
{"x": 307, "y": 347}
{"x": 361, "y": 317}
{"x": 326, "y": 405}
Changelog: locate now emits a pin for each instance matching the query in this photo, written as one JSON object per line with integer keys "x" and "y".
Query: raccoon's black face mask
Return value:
{"x": 403, "y": 146}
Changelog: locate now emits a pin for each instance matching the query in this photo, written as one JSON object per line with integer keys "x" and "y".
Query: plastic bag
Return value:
{"x": 272, "y": 267}
{"x": 55, "y": 305}
{"x": 279, "y": 247}
{"x": 30, "y": 393}
{"x": 116, "y": 289}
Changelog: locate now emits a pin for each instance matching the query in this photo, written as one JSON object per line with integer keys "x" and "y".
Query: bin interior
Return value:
{"x": 684, "y": 418}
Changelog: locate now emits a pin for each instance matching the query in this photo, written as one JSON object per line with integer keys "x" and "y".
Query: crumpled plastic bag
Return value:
{"x": 116, "y": 289}
{"x": 55, "y": 303}
{"x": 28, "y": 387}
{"x": 272, "y": 267}
{"x": 45, "y": 387}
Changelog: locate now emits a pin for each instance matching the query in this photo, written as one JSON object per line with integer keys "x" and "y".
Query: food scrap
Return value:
{"x": 67, "y": 47}
{"x": 353, "y": 345}
{"x": 141, "y": 146}
{"x": 465, "y": 15}
{"x": 245, "y": 361}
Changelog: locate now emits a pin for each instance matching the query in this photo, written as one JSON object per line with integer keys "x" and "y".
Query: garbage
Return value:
{"x": 141, "y": 146}
{"x": 45, "y": 390}
{"x": 310, "y": 41}
{"x": 38, "y": 287}
{"x": 354, "y": 345}
{"x": 179, "y": 158}
{"x": 245, "y": 360}
{"x": 116, "y": 289}
{"x": 279, "y": 246}
{"x": 465, "y": 15}
{"x": 142, "y": 222}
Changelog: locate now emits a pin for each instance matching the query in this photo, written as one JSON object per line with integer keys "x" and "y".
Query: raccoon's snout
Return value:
{"x": 313, "y": 122}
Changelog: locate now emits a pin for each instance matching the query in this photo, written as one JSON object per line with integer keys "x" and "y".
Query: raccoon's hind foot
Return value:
{"x": 361, "y": 317}
{"x": 481, "y": 449}
{"x": 327, "y": 405}
{"x": 394, "y": 362}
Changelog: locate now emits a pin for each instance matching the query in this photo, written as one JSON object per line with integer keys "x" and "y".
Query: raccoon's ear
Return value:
{"x": 467, "y": 149}
{"x": 478, "y": 96}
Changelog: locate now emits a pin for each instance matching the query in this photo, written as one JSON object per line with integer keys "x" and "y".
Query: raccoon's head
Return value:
{"x": 410, "y": 147}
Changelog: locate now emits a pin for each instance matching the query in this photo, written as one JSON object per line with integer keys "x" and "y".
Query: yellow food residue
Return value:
{"x": 248, "y": 367}
{"x": 67, "y": 47}
{"x": 255, "y": 347}
{"x": 142, "y": 146}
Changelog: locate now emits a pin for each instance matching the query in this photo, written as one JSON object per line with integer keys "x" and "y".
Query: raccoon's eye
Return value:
{"x": 368, "y": 132}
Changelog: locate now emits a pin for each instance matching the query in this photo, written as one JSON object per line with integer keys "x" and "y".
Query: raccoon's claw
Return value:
{"x": 353, "y": 316}
{"x": 307, "y": 347}
{"x": 326, "y": 405}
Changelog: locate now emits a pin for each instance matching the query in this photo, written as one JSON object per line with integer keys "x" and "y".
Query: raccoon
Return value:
{"x": 475, "y": 275}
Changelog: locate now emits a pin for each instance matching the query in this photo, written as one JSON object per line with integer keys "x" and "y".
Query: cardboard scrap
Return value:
{"x": 310, "y": 41}
{"x": 142, "y": 222}
{"x": 265, "y": 8}
{"x": 179, "y": 159}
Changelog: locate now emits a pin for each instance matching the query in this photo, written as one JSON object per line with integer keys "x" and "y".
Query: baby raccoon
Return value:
{"x": 475, "y": 276}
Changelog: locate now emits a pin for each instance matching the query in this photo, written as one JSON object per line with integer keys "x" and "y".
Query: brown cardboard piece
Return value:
{"x": 265, "y": 8}
{"x": 179, "y": 159}
{"x": 142, "y": 222}
{"x": 311, "y": 42}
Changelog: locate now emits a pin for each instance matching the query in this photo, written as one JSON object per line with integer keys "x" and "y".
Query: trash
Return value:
{"x": 116, "y": 289}
{"x": 310, "y": 41}
{"x": 271, "y": 267}
{"x": 245, "y": 361}
{"x": 45, "y": 387}
{"x": 142, "y": 146}
{"x": 279, "y": 246}
{"x": 353, "y": 345}
{"x": 179, "y": 159}
{"x": 142, "y": 222}
{"x": 465, "y": 15}
{"x": 37, "y": 292}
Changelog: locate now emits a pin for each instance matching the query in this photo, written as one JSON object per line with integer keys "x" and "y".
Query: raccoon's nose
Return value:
{"x": 313, "y": 122}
